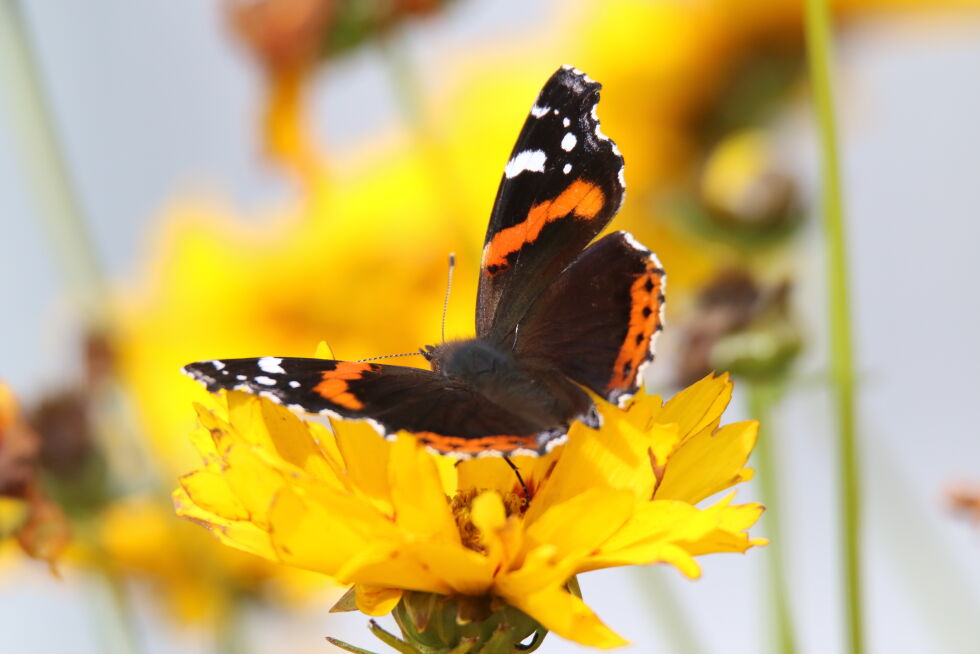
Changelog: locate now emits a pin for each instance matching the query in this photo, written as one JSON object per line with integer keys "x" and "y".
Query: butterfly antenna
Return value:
{"x": 449, "y": 287}
{"x": 389, "y": 356}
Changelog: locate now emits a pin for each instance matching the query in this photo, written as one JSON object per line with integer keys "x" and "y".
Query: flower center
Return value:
{"x": 462, "y": 504}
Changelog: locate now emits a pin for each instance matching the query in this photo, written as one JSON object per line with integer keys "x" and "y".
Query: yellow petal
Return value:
{"x": 292, "y": 440}
{"x": 502, "y": 537}
{"x": 664, "y": 440}
{"x": 390, "y": 564}
{"x": 376, "y": 600}
{"x": 307, "y": 535}
{"x": 365, "y": 456}
{"x": 568, "y": 616}
{"x": 252, "y": 480}
{"x": 238, "y": 534}
{"x": 487, "y": 512}
{"x": 210, "y": 491}
{"x": 698, "y": 405}
{"x": 615, "y": 457}
{"x": 465, "y": 571}
{"x": 581, "y": 524}
{"x": 709, "y": 462}
{"x": 662, "y": 521}
{"x": 493, "y": 473}
{"x": 421, "y": 506}
{"x": 730, "y": 535}
{"x": 323, "y": 351}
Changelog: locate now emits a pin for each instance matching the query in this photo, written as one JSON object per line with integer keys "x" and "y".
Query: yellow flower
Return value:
{"x": 137, "y": 538}
{"x": 394, "y": 520}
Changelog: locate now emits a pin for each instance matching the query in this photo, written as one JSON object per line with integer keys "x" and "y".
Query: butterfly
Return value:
{"x": 555, "y": 315}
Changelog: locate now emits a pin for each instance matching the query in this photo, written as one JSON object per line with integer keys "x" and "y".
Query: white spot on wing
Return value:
{"x": 241, "y": 377}
{"x": 265, "y": 381}
{"x": 294, "y": 384}
{"x": 217, "y": 364}
{"x": 528, "y": 160}
{"x": 565, "y": 122}
{"x": 567, "y": 169}
{"x": 579, "y": 73}
{"x": 568, "y": 142}
{"x": 271, "y": 365}
{"x": 538, "y": 112}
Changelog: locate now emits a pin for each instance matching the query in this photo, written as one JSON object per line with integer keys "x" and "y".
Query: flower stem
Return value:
{"x": 762, "y": 398}
{"x": 819, "y": 42}
{"x": 114, "y": 614}
{"x": 231, "y": 637}
{"x": 673, "y": 620}
{"x": 58, "y": 206}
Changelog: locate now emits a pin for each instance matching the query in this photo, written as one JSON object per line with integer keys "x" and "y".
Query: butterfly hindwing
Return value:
{"x": 598, "y": 321}
{"x": 561, "y": 187}
{"x": 445, "y": 415}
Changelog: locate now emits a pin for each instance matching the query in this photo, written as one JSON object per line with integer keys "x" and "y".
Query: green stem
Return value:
{"x": 58, "y": 207}
{"x": 231, "y": 636}
{"x": 674, "y": 622}
{"x": 819, "y": 51}
{"x": 762, "y": 398}
{"x": 114, "y": 615}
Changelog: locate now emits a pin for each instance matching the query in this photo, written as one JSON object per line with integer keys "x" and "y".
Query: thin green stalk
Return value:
{"x": 230, "y": 629}
{"x": 44, "y": 165}
{"x": 675, "y": 624}
{"x": 762, "y": 398}
{"x": 819, "y": 52}
{"x": 114, "y": 614}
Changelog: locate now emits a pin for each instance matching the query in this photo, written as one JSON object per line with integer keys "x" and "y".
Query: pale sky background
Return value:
{"x": 152, "y": 99}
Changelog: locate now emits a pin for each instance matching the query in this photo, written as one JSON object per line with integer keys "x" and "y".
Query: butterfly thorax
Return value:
{"x": 530, "y": 391}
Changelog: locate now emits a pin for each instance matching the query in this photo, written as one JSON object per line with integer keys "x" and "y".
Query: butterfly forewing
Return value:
{"x": 445, "y": 415}
{"x": 560, "y": 188}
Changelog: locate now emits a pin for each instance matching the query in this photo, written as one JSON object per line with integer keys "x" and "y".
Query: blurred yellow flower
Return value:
{"x": 138, "y": 538}
{"x": 362, "y": 262}
{"x": 390, "y": 517}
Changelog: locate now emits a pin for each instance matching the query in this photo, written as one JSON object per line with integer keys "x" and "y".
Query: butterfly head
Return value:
{"x": 468, "y": 360}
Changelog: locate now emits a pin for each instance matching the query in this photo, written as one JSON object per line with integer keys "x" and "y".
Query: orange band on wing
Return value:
{"x": 581, "y": 199}
{"x": 450, "y": 444}
{"x": 646, "y": 298}
{"x": 335, "y": 388}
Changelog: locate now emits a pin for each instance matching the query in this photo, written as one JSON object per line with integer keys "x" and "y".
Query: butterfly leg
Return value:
{"x": 520, "y": 480}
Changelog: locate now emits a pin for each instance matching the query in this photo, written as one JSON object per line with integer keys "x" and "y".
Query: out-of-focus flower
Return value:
{"x": 351, "y": 267}
{"x": 405, "y": 526}
{"x": 741, "y": 325}
{"x": 289, "y": 37}
{"x": 26, "y": 513}
{"x": 137, "y": 538}
{"x": 744, "y": 190}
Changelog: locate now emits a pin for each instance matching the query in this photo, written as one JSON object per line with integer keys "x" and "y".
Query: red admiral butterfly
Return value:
{"x": 550, "y": 318}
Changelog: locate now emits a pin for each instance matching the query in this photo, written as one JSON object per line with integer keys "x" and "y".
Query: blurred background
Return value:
{"x": 190, "y": 180}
